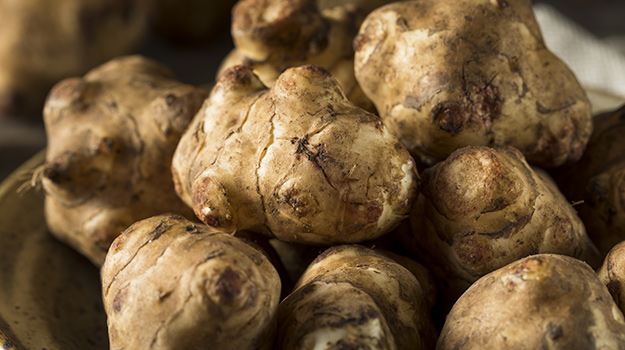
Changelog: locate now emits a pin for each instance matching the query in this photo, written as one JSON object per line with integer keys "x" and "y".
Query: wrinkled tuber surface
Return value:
{"x": 46, "y": 41}
{"x": 111, "y": 136}
{"x": 298, "y": 162}
{"x": 168, "y": 283}
{"x": 448, "y": 74}
{"x": 352, "y": 297}
{"x": 612, "y": 274}
{"x": 273, "y": 35}
{"x": 543, "y": 301}
{"x": 483, "y": 208}
{"x": 598, "y": 180}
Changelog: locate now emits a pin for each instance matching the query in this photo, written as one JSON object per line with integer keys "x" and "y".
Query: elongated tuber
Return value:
{"x": 352, "y": 297}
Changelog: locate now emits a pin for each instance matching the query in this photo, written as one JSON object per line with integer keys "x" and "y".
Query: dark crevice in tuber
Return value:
{"x": 544, "y": 110}
{"x": 317, "y": 155}
{"x": 259, "y": 164}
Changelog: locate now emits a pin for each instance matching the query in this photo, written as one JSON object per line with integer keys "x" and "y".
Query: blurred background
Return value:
{"x": 40, "y": 44}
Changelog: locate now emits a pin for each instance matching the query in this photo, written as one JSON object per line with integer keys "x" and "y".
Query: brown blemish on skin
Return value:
{"x": 402, "y": 24}
{"x": 315, "y": 154}
{"x": 162, "y": 227}
{"x": 364, "y": 317}
{"x": 216, "y": 215}
{"x": 374, "y": 211}
{"x": 118, "y": 301}
{"x": 298, "y": 203}
{"x": 228, "y": 286}
{"x": 528, "y": 265}
{"x": 510, "y": 286}
{"x": 554, "y": 331}
{"x": 448, "y": 117}
{"x": 170, "y": 99}
{"x": 308, "y": 288}
{"x": 480, "y": 104}
{"x": 314, "y": 69}
{"x": 614, "y": 287}
{"x": 360, "y": 41}
{"x": 240, "y": 73}
{"x": 472, "y": 252}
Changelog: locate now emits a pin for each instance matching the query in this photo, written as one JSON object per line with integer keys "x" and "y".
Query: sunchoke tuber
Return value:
{"x": 449, "y": 74}
{"x": 483, "y": 208}
{"x": 352, "y": 297}
{"x": 111, "y": 136}
{"x": 544, "y": 301}
{"x": 298, "y": 162}
{"x": 168, "y": 283}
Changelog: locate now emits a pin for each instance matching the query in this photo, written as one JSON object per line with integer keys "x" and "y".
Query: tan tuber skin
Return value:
{"x": 273, "y": 35}
{"x": 598, "y": 181}
{"x": 483, "y": 208}
{"x": 111, "y": 136}
{"x": 544, "y": 301}
{"x": 168, "y": 283}
{"x": 612, "y": 274}
{"x": 449, "y": 74}
{"x": 46, "y": 41}
{"x": 352, "y": 297}
{"x": 298, "y": 161}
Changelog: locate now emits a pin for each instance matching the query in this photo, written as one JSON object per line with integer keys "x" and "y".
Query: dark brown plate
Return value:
{"x": 50, "y": 296}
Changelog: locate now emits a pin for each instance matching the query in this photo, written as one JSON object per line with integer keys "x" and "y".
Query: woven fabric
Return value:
{"x": 599, "y": 64}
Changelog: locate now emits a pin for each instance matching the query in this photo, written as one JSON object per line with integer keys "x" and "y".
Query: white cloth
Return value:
{"x": 599, "y": 64}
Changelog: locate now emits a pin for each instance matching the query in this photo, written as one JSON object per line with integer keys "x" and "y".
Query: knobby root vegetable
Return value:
{"x": 273, "y": 35}
{"x": 448, "y": 74}
{"x": 612, "y": 274}
{"x": 483, "y": 208}
{"x": 111, "y": 136}
{"x": 298, "y": 162}
{"x": 544, "y": 301}
{"x": 352, "y": 297}
{"x": 168, "y": 283}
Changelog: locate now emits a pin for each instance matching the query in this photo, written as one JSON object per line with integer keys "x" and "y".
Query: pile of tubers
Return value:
{"x": 362, "y": 175}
